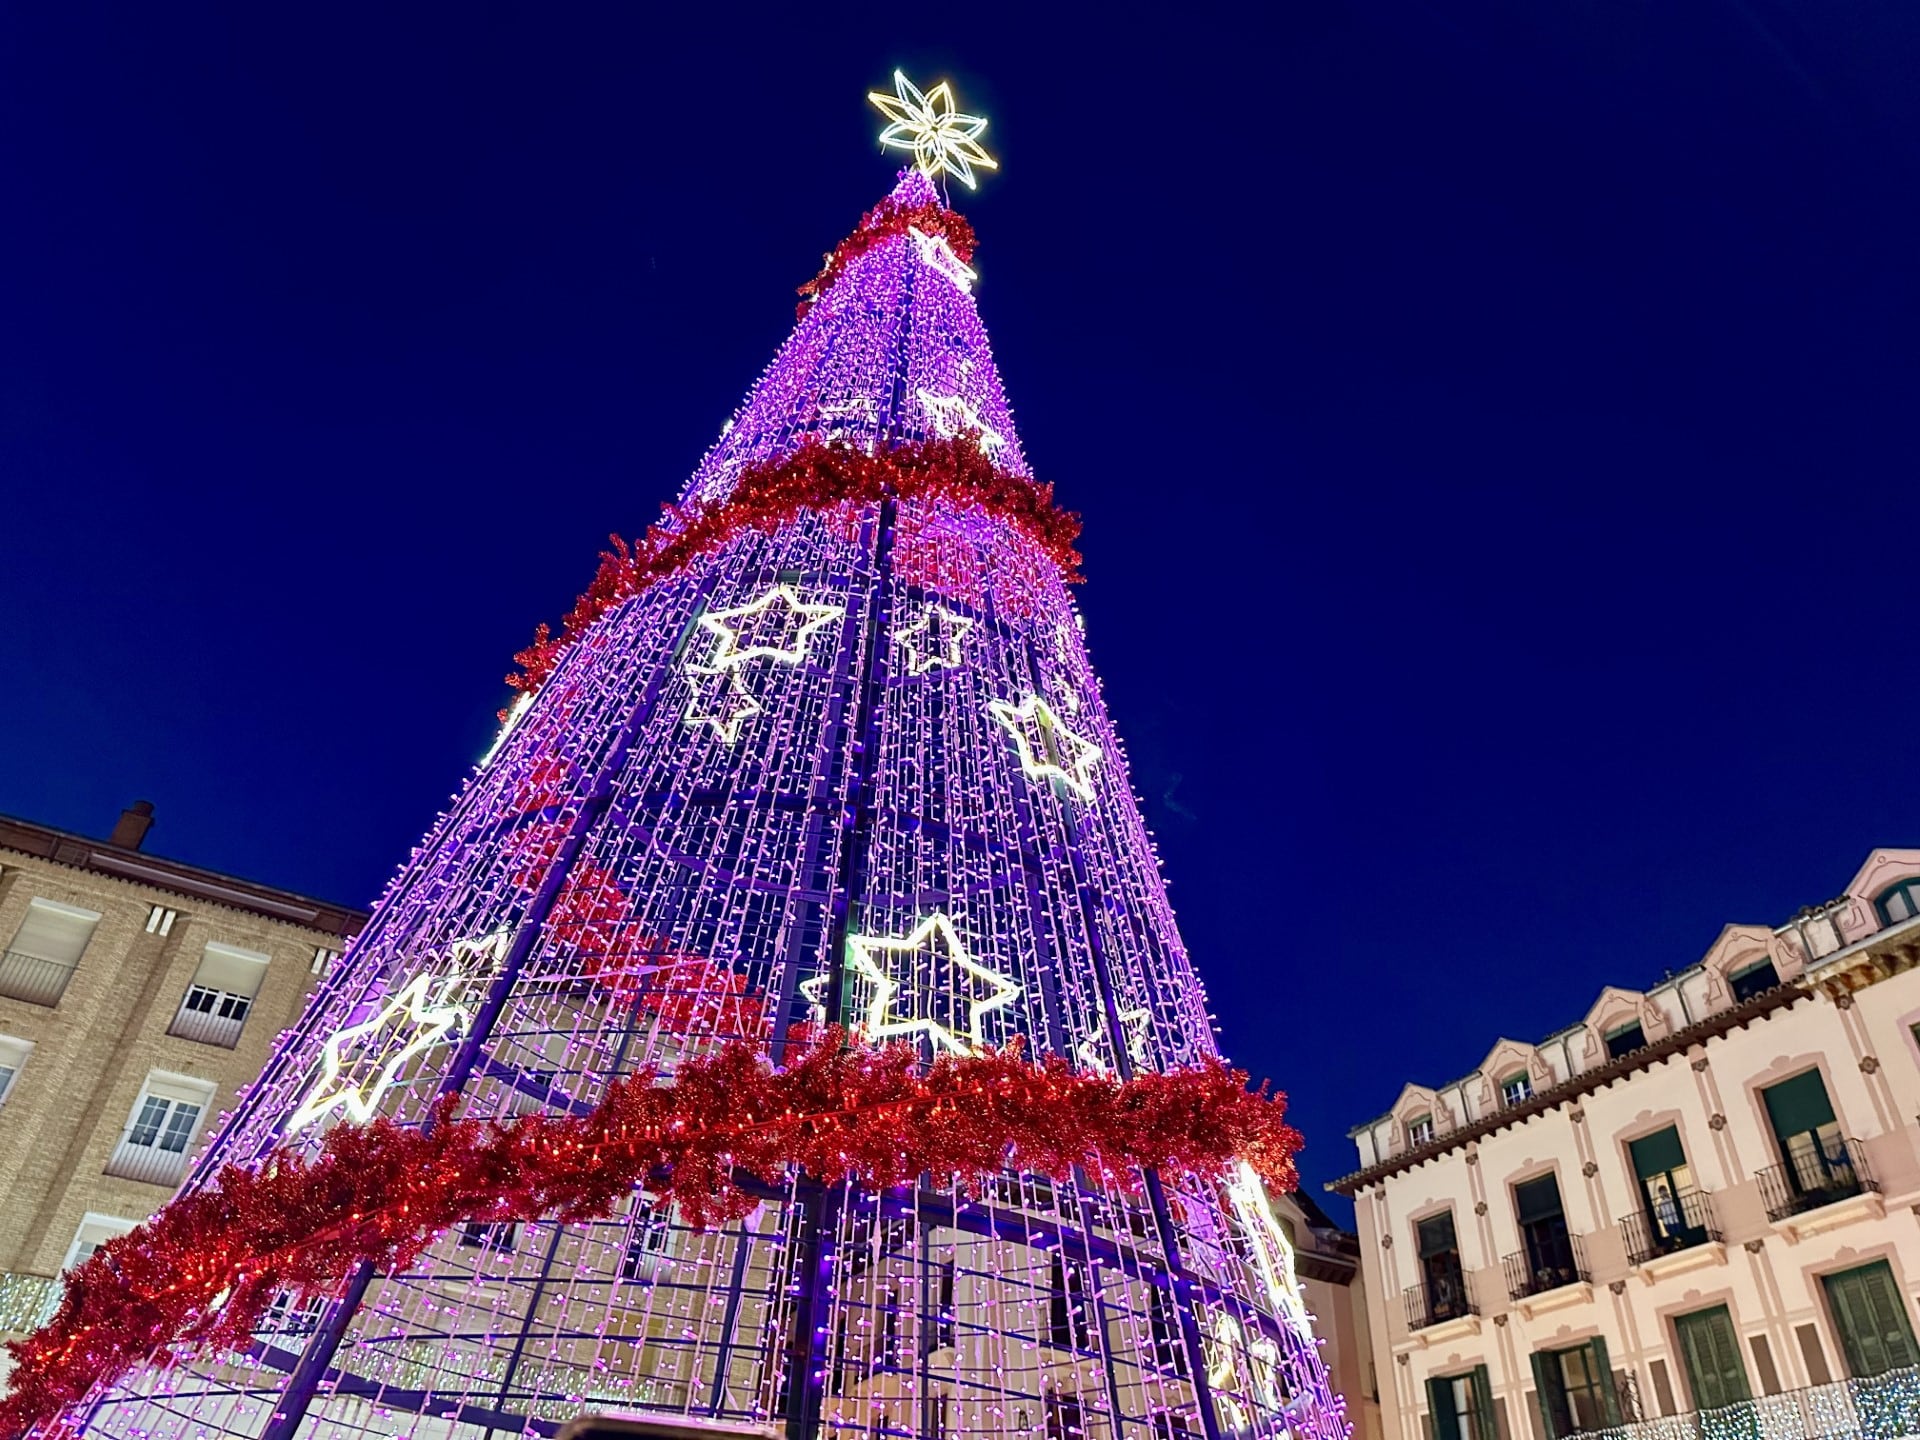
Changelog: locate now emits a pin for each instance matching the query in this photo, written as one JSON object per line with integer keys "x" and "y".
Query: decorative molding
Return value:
{"x": 1754, "y": 1247}
{"x": 1386, "y": 1242}
{"x": 1590, "y": 1169}
{"x": 1700, "y": 1065}
{"x": 1500, "y": 1322}
{"x": 1717, "y": 1122}
{"x": 1843, "y": 1001}
{"x": 1577, "y": 1115}
{"x": 1473, "y": 1157}
{"x": 1618, "y": 1287}
{"x": 1480, "y": 1208}
{"x": 1869, "y": 1064}
{"x": 1403, "y": 1359}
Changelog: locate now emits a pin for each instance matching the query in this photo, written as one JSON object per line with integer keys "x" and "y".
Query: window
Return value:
{"x": 652, "y": 1230}
{"x": 1755, "y": 979}
{"x": 1516, "y": 1089}
{"x": 1419, "y": 1129}
{"x": 1169, "y": 1349}
{"x": 1546, "y": 1247}
{"x": 1673, "y": 1211}
{"x": 94, "y": 1231}
{"x": 13, "y": 1058}
{"x": 222, "y": 993}
{"x": 41, "y": 957}
{"x": 1876, "y": 1334}
{"x": 1626, "y": 1039}
{"x": 161, "y": 1129}
{"x": 1443, "y": 1279}
{"x": 1899, "y": 902}
{"x": 323, "y": 959}
{"x": 1710, "y": 1354}
{"x": 497, "y": 1237}
{"x": 1575, "y": 1389}
{"x": 1063, "y": 1417}
{"x": 291, "y": 1315}
{"x": 941, "y": 1334}
{"x": 1069, "y": 1326}
{"x": 1817, "y": 1164}
{"x": 1462, "y": 1406}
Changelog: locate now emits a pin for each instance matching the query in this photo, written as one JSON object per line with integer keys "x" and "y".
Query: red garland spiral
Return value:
{"x": 206, "y": 1268}
{"x": 816, "y": 477}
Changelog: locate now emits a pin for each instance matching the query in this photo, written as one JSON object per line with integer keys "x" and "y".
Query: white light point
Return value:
{"x": 943, "y": 141}
{"x": 937, "y": 255}
{"x": 933, "y": 934}
{"x": 772, "y": 616}
{"x": 952, "y": 416}
{"x": 432, "y": 1024}
{"x": 934, "y": 648}
{"x": 723, "y": 703}
{"x": 1048, "y": 750}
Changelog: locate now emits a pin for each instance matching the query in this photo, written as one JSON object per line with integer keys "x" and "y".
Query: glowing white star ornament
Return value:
{"x": 1048, "y": 750}
{"x": 937, "y": 255}
{"x": 953, "y": 416}
{"x": 723, "y": 703}
{"x": 942, "y": 139}
{"x": 931, "y": 936}
{"x": 814, "y": 992}
{"x": 777, "y": 626}
{"x": 414, "y": 1008}
{"x": 931, "y": 646}
{"x": 1137, "y": 1025}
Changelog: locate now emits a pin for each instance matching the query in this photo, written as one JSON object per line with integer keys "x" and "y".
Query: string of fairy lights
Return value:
{"x": 654, "y": 855}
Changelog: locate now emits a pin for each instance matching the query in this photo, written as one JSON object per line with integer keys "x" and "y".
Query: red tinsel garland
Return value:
{"x": 884, "y": 221}
{"x": 206, "y": 1268}
{"x": 816, "y": 477}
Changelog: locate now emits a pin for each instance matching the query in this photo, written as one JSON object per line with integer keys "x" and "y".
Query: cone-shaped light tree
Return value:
{"x": 823, "y": 749}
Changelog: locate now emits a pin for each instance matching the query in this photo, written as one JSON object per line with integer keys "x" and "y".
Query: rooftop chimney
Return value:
{"x": 133, "y": 825}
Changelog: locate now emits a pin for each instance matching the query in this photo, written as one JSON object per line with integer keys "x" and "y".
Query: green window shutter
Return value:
{"x": 1875, "y": 1333}
{"x": 1483, "y": 1424}
{"x": 1711, "y": 1352}
{"x": 1552, "y": 1398}
{"x": 1537, "y": 1200}
{"x": 1798, "y": 1105}
{"x": 1446, "y": 1422}
{"x": 1609, "y": 1392}
{"x": 1656, "y": 1154}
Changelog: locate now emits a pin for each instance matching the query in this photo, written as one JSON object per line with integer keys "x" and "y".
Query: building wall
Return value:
{"x": 92, "y": 1052}
{"x": 1858, "y": 1034}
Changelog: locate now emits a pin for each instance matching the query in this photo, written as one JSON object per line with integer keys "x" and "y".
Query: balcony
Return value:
{"x": 1681, "y": 1222}
{"x": 1446, "y": 1299}
{"x": 149, "y": 1163}
{"x": 1884, "y": 1405}
{"x": 1816, "y": 1177}
{"x": 33, "y": 979}
{"x": 212, "y": 1017}
{"x": 1547, "y": 1264}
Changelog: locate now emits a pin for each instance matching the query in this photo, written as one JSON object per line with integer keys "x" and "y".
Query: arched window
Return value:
{"x": 1900, "y": 901}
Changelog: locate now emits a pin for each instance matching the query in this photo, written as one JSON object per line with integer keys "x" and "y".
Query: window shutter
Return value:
{"x": 1546, "y": 1388}
{"x": 1798, "y": 1105}
{"x": 1483, "y": 1421}
{"x": 1872, "y": 1318}
{"x": 1537, "y": 1200}
{"x": 231, "y": 969}
{"x": 1446, "y": 1423}
{"x": 54, "y": 932}
{"x": 1656, "y": 1154}
{"x": 1609, "y": 1396}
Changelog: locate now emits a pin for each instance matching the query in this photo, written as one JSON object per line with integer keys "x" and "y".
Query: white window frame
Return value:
{"x": 105, "y": 1228}
{"x": 1420, "y": 1130}
{"x": 14, "y": 1054}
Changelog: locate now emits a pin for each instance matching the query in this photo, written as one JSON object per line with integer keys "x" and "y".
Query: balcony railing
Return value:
{"x": 1678, "y": 1222}
{"x": 213, "y": 1017}
{"x": 1882, "y": 1408}
{"x": 147, "y": 1162}
{"x": 32, "y": 978}
{"x": 1546, "y": 1264}
{"x": 1448, "y": 1298}
{"x": 1814, "y": 1177}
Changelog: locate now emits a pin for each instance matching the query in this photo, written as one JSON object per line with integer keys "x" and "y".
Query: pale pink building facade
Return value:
{"x": 1692, "y": 1213}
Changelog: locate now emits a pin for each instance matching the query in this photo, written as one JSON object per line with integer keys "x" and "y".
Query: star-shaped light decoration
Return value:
{"x": 723, "y": 703}
{"x": 931, "y": 646}
{"x": 953, "y": 416}
{"x": 814, "y": 992}
{"x": 931, "y": 940}
{"x": 777, "y": 626}
{"x": 416, "y": 1015}
{"x": 943, "y": 141}
{"x": 1048, "y": 750}
{"x": 1136, "y": 1025}
{"x": 937, "y": 255}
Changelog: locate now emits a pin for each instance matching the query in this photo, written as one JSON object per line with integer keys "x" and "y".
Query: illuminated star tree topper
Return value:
{"x": 943, "y": 140}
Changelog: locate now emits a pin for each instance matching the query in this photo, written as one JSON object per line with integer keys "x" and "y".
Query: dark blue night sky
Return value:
{"x": 1495, "y": 427}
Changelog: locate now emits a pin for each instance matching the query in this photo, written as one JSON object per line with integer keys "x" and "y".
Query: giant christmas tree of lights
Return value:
{"x": 825, "y": 747}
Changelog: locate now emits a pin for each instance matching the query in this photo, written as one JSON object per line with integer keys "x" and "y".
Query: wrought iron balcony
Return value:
{"x": 1816, "y": 1176}
{"x": 213, "y": 1017}
{"x": 31, "y": 978}
{"x": 1546, "y": 1264}
{"x": 1447, "y": 1298}
{"x": 1685, "y": 1220}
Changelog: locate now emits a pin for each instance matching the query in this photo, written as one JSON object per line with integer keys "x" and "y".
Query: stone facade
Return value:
{"x": 1701, "y": 1198}
{"x": 100, "y": 947}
